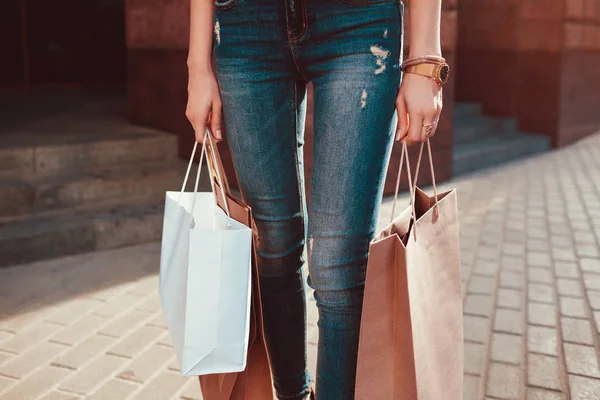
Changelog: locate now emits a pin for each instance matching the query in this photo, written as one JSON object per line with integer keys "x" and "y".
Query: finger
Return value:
{"x": 402, "y": 129}
{"x": 215, "y": 120}
{"x": 415, "y": 129}
{"x": 198, "y": 119}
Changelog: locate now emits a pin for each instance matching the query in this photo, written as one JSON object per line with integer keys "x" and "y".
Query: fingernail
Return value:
{"x": 218, "y": 134}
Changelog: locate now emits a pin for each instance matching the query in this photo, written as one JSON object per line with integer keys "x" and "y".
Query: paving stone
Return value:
{"x": 86, "y": 379}
{"x": 471, "y": 387}
{"x": 504, "y": 381}
{"x": 31, "y": 360}
{"x": 592, "y": 281}
{"x": 569, "y": 287}
{"x": 542, "y": 394}
{"x": 509, "y": 321}
{"x": 561, "y": 241}
{"x": 541, "y": 293}
{"x": 147, "y": 363}
{"x": 73, "y": 310}
{"x": 572, "y": 307}
{"x": 191, "y": 390}
{"x": 590, "y": 264}
{"x": 538, "y": 259}
{"x": 159, "y": 321}
{"x": 6, "y": 382}
{"x": 511, "y": 279}
{"x": 5, "y": 357}
{"x": 486, "y": 267}
{"x": 476, "y": 304}
{"x": 474, "y": 354}
{"x": 515, "y": 264}
{"x": 114, "y": 389}
{"x": 481, "y": 285}
{"x": 543, "y": 371}
{"x": 586, "y": 250}
{"x": 581, "y": 360}
{"x": 594, "y": 298}
{"x": 506, "y": 348}
{"x": 117, "y": 305}
{"x": 541, "y": 314}
{"x": 577, "y": 331}
{"x": 126, "y": 323}
{"x": 136, "y": 341}
{"x": 542, "y": 339}
{"x": 85, "y": 351}
{"x": 79, "y": 330}
{"x": 29, "y": 337}
{"x": 563, "y": 254}
{"x": 56, "y": 395}
{"x": 36, "y": 384}
{"x": 538, "y": 245}
{"x": 162, "y": 387}
{"x": 509, "y": 298}
{"x": 513, "y": 249}
{"x": 541, "y": 275}
{"x": 583, "y": 388}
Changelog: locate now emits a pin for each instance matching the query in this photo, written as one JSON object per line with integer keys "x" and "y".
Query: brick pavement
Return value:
{"x": 89, "y": 327}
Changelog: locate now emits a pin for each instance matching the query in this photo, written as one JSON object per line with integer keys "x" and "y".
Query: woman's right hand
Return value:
{"x": 204, "y": 104}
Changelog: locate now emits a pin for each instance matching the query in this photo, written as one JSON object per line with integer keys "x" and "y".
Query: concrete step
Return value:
{"x": 45, "y": 193}
{"x": 75, "y": 231}
{"x": 48, "y": 153}
{"x": 44, "y": 237}
{"x": 496, "y": 149}
{"x": 467, "y": 110}
{"x": 469, "y": 128}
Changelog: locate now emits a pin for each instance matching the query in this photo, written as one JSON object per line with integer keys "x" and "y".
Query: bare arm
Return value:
{"x": 204, "y": 100}
{"x": 424, "y": 35}
{"x": 419, "y": 101}
{"x": 201, "y": 35}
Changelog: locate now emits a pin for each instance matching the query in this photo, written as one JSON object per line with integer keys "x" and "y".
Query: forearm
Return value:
{"x": 424, "y": 36}
{"x": 201, "y": 35}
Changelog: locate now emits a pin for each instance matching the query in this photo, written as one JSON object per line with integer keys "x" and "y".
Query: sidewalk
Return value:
{"x": 90, "y": 327}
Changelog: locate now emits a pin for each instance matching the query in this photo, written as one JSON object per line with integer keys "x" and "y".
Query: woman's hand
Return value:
{"x": 419, "y": 104}
{"x": 204, "y": 104}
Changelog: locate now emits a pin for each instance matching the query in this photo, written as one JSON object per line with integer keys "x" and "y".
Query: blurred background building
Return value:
{"x": 93, "y": 94}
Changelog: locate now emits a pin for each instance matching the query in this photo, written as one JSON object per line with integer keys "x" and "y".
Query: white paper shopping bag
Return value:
{"x": 205, "y": 281}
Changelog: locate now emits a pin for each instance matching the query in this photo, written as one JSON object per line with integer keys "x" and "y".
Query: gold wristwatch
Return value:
{"x": 440, "y": 72}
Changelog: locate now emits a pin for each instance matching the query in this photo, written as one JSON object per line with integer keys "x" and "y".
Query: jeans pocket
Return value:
{"x": 226, "y": 4}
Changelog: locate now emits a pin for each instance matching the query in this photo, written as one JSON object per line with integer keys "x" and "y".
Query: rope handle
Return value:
{"x": 413, "y": 184}
{"x": 189, "y": 168}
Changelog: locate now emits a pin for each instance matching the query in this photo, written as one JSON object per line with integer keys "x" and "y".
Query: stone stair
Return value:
{"x": 95, "y": 185}
{"x": 481, "y": 142}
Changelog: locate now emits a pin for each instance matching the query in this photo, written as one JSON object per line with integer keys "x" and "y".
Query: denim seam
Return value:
{"x": 300, "y": 71}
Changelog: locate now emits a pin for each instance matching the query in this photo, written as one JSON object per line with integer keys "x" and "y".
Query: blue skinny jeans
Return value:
{"x": 266, "y": 52}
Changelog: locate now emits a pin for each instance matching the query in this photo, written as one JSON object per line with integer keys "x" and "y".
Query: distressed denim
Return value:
{"x": 266, "y": 52}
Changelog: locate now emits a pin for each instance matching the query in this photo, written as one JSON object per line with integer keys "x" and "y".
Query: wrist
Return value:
{"x": 422, "y": 50}
{"x": 202, "y": 65}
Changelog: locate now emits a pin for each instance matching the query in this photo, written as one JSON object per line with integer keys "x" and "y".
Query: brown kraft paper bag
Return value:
{"x": 254, "y": 383}
{"x": 411, "y": 337}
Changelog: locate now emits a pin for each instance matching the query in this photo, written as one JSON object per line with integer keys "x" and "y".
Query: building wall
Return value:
{"x": 534, "y": 60}
{"x": 157, "y": 40}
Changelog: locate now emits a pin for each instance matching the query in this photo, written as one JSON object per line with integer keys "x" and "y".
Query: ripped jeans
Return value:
{"x": 266, "y": 52}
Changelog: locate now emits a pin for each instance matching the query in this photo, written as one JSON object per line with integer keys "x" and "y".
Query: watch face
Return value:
{"x": 444, "y": 73}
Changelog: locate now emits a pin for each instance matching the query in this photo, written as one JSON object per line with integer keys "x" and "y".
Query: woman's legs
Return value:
{"x": 356, "y": 80}
{"x": 265, "y": 52}
{"x": 264, "y": 112}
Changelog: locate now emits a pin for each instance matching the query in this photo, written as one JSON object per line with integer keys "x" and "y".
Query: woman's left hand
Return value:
{"x": 419, "y": 104}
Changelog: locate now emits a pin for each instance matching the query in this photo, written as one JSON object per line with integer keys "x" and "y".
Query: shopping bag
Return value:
{"x": 205, "y": 280}
{"x": 411, "y": 334}
{"x": 254, "y": 383}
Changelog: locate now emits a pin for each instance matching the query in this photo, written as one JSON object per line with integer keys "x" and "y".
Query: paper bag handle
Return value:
{"x": 413, "y": 184}
{"x": 189, "y": 168}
